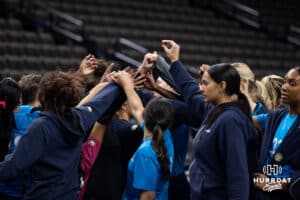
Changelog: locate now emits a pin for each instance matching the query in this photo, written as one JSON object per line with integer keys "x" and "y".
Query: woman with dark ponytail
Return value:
{"x": 150, "y": 167}
{"x": 159, "y": 114}
{"x": 223, "y": 157}
{"x": 10, "y": 100}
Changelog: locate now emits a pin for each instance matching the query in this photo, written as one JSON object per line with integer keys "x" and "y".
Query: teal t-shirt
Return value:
{"x": 281, "y": 132}
{"x": 144, "y": 171}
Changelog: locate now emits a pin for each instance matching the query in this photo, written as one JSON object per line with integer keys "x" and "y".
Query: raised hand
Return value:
{"x": 203, "y": 68}
{"x": 88, "y": 64}
{"x": 171, "y": 49}
{"x": 122, "y": 78}
{"x": 150, "y": 83}
{"x": 106, "y": 76}
{"x": 139, "y": 80}
{"x": 148, "y": 62}
{"x": 149, "y": 59}
{"x": 130, "y": 71}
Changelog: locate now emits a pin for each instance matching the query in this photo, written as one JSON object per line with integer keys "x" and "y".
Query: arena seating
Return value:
{"x": 204, "y": 36}
{"x": 23, "y": 51}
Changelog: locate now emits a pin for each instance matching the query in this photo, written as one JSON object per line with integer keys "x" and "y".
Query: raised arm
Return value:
{"x": 108, "y": 99}
{"x": 125, "y": 81}
{"x": 186, "y": 85}
{"x": 152, "y": 85}
{"x": 92, "y": 93}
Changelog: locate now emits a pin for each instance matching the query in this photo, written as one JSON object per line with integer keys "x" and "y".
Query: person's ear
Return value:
{"x": 223, "y": 86}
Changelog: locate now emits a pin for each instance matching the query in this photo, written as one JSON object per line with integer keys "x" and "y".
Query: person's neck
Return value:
{"x": 123, "y": 115}
{"x": 16, "y": 109}
{"x": 252, "y": 105}
{"x": 294, "y": 109}
{"x": 34, "y": 104}
{"x": 147, "y": 133}
{"x": 224, "y": 99}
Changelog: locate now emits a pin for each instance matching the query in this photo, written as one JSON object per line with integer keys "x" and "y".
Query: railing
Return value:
{"x": 253, "y": 18}
{"x": 55, "y": 19}
{"x": 122, "y": 45}
{"x": 56, "y": 23}
{"x": 241, "y": 12}
{"x": 294, "y": 35}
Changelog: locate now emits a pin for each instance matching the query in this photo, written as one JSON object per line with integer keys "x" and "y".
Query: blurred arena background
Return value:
{"x": 37, "y": 36}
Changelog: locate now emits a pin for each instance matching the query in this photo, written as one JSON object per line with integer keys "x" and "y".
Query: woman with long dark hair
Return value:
{"x": 50, "y": 151}
{"x": 224, "y": 149}
{"x": 23, "y": 117}
{"x": 150, "y": 167}
{"x": 10, "y": 100}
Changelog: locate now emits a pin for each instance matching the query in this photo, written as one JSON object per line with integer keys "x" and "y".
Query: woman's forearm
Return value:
{"x": 92, "y": 93}
{"x": 134, "y": 102}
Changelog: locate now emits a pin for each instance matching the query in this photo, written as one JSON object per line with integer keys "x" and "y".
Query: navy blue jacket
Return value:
{"x": 224, "y": 152}
{"x": 50, "y": 151}
{"x": 289, "y": 149}
{"x": 294, "y": 189}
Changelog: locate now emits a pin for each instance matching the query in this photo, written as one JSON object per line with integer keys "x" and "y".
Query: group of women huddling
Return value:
{"x": 128, "y": 136}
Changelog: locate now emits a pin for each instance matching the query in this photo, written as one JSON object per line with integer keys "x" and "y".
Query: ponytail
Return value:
{"x": 158, "y": 117}
{"x": 160, "y": 149}
{"x": 227, "y": 73}
{"x": 243, "y": 104}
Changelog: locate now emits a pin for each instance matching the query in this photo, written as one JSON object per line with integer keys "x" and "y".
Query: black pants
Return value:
{"x": 179, "y": 188}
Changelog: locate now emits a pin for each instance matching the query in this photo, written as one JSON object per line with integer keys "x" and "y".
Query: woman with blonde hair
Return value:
{"x": 251, "y": 88}
{"x": 271, "y": 95}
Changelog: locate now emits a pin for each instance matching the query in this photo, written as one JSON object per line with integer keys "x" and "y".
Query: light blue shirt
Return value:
{"x": 23, "y": 119}
{"x": 258, "y": 108}
{"x": 144, "y": 170}
{"x": 281, "y": 132}
{"x": 262, "y": 119}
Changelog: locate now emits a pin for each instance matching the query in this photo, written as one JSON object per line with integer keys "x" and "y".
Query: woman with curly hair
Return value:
{"x": 50, "y": 151}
